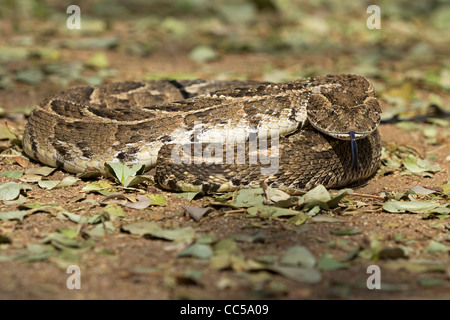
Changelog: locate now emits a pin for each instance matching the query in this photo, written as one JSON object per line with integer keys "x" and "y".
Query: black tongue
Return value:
{"x": 354, "y": 150}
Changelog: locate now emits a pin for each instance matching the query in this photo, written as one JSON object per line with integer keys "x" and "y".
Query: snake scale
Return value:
{"x": 215, "y": 136}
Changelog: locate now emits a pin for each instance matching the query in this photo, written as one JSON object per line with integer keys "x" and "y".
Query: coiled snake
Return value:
{"x": 215, "y": 136}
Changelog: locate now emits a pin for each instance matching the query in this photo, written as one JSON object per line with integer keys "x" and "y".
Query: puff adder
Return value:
{"x": 215, "y": 136}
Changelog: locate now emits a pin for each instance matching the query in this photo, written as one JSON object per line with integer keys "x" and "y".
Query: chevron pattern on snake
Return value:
{"x": 319, "y": 130}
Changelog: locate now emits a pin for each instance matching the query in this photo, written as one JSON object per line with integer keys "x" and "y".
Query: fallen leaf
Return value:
{"x": 13, "y": 215}
{"x": 268, "y": 211}
{"x": 142, "y": 203}
{"x": 319, "y": 193}
{"x": 420, "y": 166}
{"x": 226, "y": 246}
{"x": 189, "y": 277}
{"x": 151, "y": 229}
{"x": 298, "y": 256}
{"x": 421, "y": 190}
{"x": 245, "y": 198}
{"x": 258, "y": 236}
{"x": 73, "y": 217}
{"x": 114, "y": 210}
{"x": 157, "y": 199}
{"x": 55, "y": 184}
{"x": 12, "y": 174}
{"x": 415, "y": 206}
{"x": 197, "y": 250}
{"x": 434, "y": 246}
{"x": 342, "y": 232}
{"x": 103, "y": 187}
{"x": 124, "y": 172}
{"x": 30, "y": 178}
{"x": 196, "y": 213}
{"x": 202, "y": 53}
{"x": 61, "y": 241}
{"x": 303, "y": 275}
{"x": 326, "y": 263}
{"x": 41, "y": 171}
{"x": 101, "y": 229}
{"x": 428, "y": 282}
{"x": 186, "y": 195}
{"x": 98, "y": 60}
{"x": 11, "y": 190}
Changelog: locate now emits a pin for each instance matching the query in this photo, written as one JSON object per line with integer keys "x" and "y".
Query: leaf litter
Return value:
{"x": 401, "y": 94}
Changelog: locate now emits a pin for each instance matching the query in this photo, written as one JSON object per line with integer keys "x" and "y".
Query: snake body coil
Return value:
{"x": 215, "y": 135}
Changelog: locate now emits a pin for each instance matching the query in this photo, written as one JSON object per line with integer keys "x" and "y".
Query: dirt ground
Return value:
{"x": 121, "y": 265}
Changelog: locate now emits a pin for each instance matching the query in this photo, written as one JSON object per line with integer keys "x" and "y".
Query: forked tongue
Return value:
{"x": 354, "y": 150}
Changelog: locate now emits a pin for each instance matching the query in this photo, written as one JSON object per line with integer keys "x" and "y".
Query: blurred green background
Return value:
{"x": 207, "y": 38}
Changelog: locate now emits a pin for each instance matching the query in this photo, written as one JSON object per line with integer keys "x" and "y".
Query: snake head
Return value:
{"x": 340, "y": 104}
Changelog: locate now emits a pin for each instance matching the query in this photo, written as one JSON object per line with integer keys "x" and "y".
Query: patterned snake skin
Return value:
{"x": 215, "y": 136}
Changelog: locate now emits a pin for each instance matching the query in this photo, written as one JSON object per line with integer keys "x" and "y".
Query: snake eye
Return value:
{"x": 332, "y": 112}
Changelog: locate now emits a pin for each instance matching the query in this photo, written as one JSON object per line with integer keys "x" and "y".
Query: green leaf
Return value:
{"x": 435, "y": 246}
{"x": 445, "y": 188}
{"x": 408, "y": 125}
{"x": 417, "y": 165}
{"x": 6, "y": 134}
{"x": 206, "y": 239}
{"x": 197, "y": 250}
{"x": 101, "y": 229}
{"x": 98, "y": 60}
{"x": 326, "y": 263}
{"x": 298, "y": 256}
{"x": 74, "y": 217}
{"x": 153, "y": 230}
{"x": 33, "y": 75}
{"x": 12, "y": 174}
{"x": 202, "y": 53}
{"x": 68, "y": 232}
{"x": 414, "y": 206}
{"x": 114, "y": 210}
{"x": 102, "y": 187}
{"x": 124, "y": 171}
{"x": 342, "y": 232}
{"x": 245, "y": 198}
{"x": 12, "y": 53}
{"x": 226, "y": 246}
{"x": 11, "y": 190}
{"x": 303, "y": 275}
{"x": 41, "y": 171}
{"x": 134, "y": 181}
{"x": 258, "y": 236}
{"x": 34, "y": 205}
{"x": 13, "y": 215}
{"x": 186, "y": 195}
{"x": 334, "y": 201}
{"x": 428, "y": 282}
{"x": 157, "y": 199}
{"x": 239, "y": 12}
{"x": 267, "y": 211}
{"x": 319, "y": 193}
{"x": 61, "y": 241}
{"x": 55, "y": 184}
